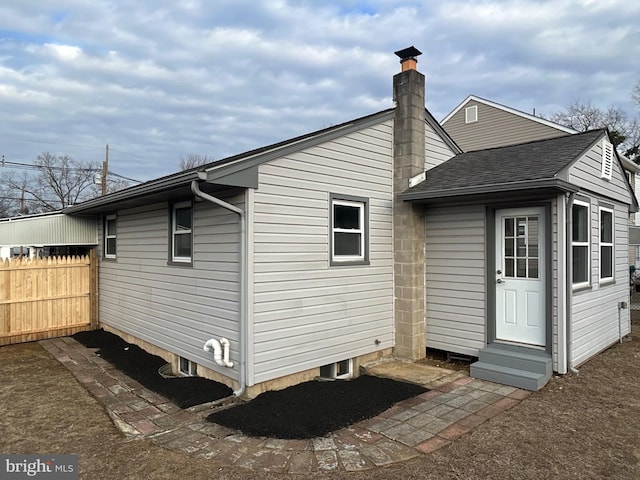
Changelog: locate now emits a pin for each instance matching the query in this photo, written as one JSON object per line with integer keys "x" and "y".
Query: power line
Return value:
{"x": 28, "y": 140}
{"x": 30, "y": 166}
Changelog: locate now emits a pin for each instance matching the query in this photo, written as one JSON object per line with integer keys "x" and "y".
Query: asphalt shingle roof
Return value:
{"x": 503, "y": 166}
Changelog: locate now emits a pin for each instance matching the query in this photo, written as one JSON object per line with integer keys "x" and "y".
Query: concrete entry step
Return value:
{"x": 515, "y": 366}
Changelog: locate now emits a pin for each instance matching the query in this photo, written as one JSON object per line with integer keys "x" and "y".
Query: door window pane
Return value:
{"x": 509, "y": 267}
{"x": 533, "y": 268}
{"x": 508, "y": 247}
{"x": 508, "y": 227}
{"x": 521, "y": 268}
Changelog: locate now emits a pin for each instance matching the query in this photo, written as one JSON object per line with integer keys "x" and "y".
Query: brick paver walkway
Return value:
{"x": 414, "y": 427}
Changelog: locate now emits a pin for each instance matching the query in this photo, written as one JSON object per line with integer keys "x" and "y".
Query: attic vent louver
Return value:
{"x": 607, "y": 159}
{"x": 471, "y": 114}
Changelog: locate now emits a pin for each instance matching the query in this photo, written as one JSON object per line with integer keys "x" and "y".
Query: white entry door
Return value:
{"x": 520, "y": 276}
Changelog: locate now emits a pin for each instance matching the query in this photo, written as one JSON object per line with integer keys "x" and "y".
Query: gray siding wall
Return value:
{"x": 436, "y": 151}
{"x": 596, "y": 322}
{"x": 495, "y": 128}
{"x": 456, "y": 282}
{"x": 585, "y": 173}
{"x": 307, "y": 313}
{"x": 175, "y": 308}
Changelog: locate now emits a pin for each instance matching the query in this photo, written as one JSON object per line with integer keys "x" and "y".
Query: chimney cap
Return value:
{"x": 409, "y": 53}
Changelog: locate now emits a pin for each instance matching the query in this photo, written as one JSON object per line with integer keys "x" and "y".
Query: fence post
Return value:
{"x": 93, "y": 281}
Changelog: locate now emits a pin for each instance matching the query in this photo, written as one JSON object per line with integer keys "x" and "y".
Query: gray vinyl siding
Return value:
{"x": 596, "y": 322}
{"x": 495, "y": 128}
{"x": 595, "y": 319}
{"x": 307, "y": 313}
{"x": 455, "y": 279}
{"x": 177, "y": 308}
{"x": 436, "y": 151}
{"x": 585, "y": 173}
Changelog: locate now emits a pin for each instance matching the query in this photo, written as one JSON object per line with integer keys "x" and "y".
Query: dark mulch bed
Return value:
{"x": 143, "y": 367}
{"x": 313, "y": 409}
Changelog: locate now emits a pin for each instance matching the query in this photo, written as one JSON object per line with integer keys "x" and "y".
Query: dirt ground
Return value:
{"x": 584, "y": 425}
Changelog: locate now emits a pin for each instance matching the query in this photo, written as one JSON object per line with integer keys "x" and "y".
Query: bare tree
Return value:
{"x": 624, "y": 132}
{"x": 9, "y": 204}
{"x": 635, "y": 94}
{"x": 194, "y": 160}
{"x": 56, "y": 183}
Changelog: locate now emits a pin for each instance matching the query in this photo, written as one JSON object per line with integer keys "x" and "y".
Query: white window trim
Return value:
{"x": 606, "y": 244}
{"x": 108, "y": 236}
{"x": 175, "y": 232}
{"x": 587, "y": 244}
{"x": 361, "y": 205}
{"x": 471, "y": 114}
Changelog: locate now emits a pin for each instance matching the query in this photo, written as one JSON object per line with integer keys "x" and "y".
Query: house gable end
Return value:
{"x": 587, "y": 173}
{"x": 497, "y": 125}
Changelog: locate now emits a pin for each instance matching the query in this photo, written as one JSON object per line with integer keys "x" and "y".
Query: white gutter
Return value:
{"x": 242, "y": 278}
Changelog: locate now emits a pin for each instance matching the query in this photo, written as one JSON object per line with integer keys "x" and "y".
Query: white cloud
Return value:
{"x": 159, "y": 80}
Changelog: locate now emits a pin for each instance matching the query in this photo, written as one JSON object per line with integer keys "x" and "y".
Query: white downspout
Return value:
{"x": 561, "y": 202}
{"x": 242, "y": 278}
{"x": 569, "y": 276}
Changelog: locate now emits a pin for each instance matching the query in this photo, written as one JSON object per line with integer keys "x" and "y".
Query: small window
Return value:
{"x": 606, "y": 244}
{"x": 188, "y": 368}
{"x": 339, "y": 370}
{"x": 349, "y": 230}
{"x": 181, "y": 236}
{"x": 580, "y": 243}
{"x": 607, "y": 159}
{"x": 471, "y": 114}
{"x": 110, "y": 235}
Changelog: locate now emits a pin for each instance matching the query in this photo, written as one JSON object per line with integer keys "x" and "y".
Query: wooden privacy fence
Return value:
{"x": 47, "y": 297}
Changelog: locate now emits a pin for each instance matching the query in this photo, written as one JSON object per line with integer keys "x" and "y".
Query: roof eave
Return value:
{"x": 476, "y": 190}
{"x": 153, "y": 186}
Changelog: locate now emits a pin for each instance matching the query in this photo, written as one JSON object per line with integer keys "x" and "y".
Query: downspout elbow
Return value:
{"x": 220, "y": 351}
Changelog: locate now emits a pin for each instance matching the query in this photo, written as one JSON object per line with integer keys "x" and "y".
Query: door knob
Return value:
{"x": 500, "y": 281}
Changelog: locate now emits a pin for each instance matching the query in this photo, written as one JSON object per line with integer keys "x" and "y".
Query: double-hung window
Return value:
{"x": 181, "y": 232}
{"x": 349, "y": 225}
{"x": 110, "y": 236}
{"x": 606, "y": 244}
{"x": 580, "y": 243}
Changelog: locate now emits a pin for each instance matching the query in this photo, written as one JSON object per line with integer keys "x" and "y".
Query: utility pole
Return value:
{"x": 22, "y": 200}
{"x": 105, "y": 169}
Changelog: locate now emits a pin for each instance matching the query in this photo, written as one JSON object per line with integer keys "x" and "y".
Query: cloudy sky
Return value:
{"x": 157, "y": 80}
